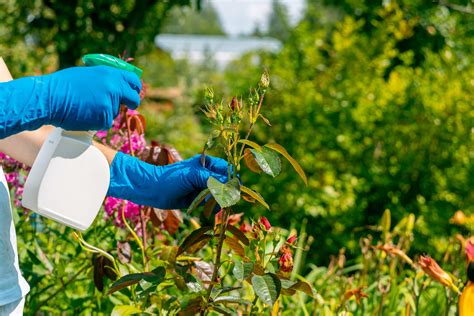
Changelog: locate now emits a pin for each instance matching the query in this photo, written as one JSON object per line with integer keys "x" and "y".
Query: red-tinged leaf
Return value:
{"x": 235, "y": 245}
{"x": 238, "y": 234}
{"x": 250, "y": 161}
{"x": 254, "y": 195}
{"x": 173, "y": 221}
{"x": 209, "y": 207}
{"x": 248, "y": 198}
{"x": 289, "y": 287}
{"x": 281, "y": 150}
{"x": 199, "y": 244}
{"x": 193, "y": 238}
{"x": 124, "y": 252}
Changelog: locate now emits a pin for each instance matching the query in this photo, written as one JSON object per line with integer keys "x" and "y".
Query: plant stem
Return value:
{"x": 251, "y": 126}
{"x": 129, "y": 133}
{"x": 215, "y": 273}
{"x": 139, "y": 242}
{"x": 144, "y": 237}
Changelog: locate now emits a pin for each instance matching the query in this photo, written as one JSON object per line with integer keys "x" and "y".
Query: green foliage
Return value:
{"x": 378, "y": 110}
{"x": 71, "y": 29}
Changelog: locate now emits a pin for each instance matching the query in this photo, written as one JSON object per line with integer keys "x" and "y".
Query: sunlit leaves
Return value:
{"x": 250, "y": 161}
{"x": 280, "y": 149}
{"x": 255, "y": 196}
{"x": 125, "y": 310}
{"x": 227, "y": 194}
{"x": 267, "y": 287}
{"x": 268, "y": 161}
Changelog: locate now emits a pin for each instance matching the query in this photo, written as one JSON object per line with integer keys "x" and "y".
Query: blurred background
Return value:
{"x": 373, "y": 98}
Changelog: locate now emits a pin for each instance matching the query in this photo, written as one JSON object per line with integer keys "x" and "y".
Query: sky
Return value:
{"x": 241, "y": 16}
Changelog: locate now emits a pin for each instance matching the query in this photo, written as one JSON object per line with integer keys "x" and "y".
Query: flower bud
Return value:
{"x": 291, "y": 239}
{"x": 234, "y": 104}
{"x": 265, "y": 80}
{"x": 432, "y": 268}
{"x": 266, "y": 224}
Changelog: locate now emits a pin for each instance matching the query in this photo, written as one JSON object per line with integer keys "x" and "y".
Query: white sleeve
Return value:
{"x": 12, "y": 284}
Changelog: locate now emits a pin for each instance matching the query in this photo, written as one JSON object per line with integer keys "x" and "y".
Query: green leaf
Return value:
{"x": 250, "y": 144}
{"x": 225, "y": 194}
{"x": 267, "y": 287}
{"x": 124, "y": 310}
{"x": 280, "y": 149}
{"x": 242, "y": 270}
{"x": 157, "y": 275}
{"x": 238, "y": 234}
{"x": 250, "y": 161}
{"x": 199, "y": 198}
{"x": 193, "y": 238}
{"x": 254, "y": 195}
{"x": 268, "y": 160}
{"x": 229, "y": 299}
{"x": 127, "y": 280}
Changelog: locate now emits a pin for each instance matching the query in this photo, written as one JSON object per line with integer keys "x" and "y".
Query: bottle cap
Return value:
{"x": 109, "y": 60}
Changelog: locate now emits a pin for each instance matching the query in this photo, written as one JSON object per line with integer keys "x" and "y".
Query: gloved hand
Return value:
{"x": 172, "y": 186}
{"x": 78, "y": 98}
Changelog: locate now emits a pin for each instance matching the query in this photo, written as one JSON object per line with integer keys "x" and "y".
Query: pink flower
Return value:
{"x": 101, "y": 135}
{"x": 12, "y": 177}
{"x": 245, "y": 227}
{"x": 266, "y": 224}
{"x": 470, "y": 250}
{"x": 113, "y": 208}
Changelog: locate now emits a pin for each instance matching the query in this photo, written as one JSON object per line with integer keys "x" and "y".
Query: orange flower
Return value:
{"x": 357, "y": 293}
{"x": 466, "y": 301}
{"x": 459, "y": 218}
{"x": 432, "y": 268}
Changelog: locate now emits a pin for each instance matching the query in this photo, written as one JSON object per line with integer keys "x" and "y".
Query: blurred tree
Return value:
{"x": 187, "y": 20}
{"x": 278, "y": 22}
{"x": 73, "y": 28}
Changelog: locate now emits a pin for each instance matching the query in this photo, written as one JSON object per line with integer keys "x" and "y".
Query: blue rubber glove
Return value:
{"x": 172, "y": 186}
{"x": 78, "y": 98}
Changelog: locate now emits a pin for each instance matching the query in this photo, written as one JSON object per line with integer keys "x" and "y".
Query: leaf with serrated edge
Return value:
{"x": 238, "y": 234}
{"x": 199, "y": 198}
{"x": 268, "y": 161}
{"x": 243, "y": 270}
{"x": 267, "y": 287}
{"x": 254, "y": 195}
{"x": 225, "y": 194}
{"x": 280, "y": 149}
{"x": 193, "y": 238}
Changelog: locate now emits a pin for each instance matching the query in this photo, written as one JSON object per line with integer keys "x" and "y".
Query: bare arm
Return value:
{"x": 25, "y": 146}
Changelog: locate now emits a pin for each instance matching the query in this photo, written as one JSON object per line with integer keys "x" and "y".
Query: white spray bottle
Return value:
{"x": 70, "y": 177}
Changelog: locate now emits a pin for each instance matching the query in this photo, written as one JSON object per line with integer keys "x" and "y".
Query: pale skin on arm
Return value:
{"x": 25, "y": 146}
